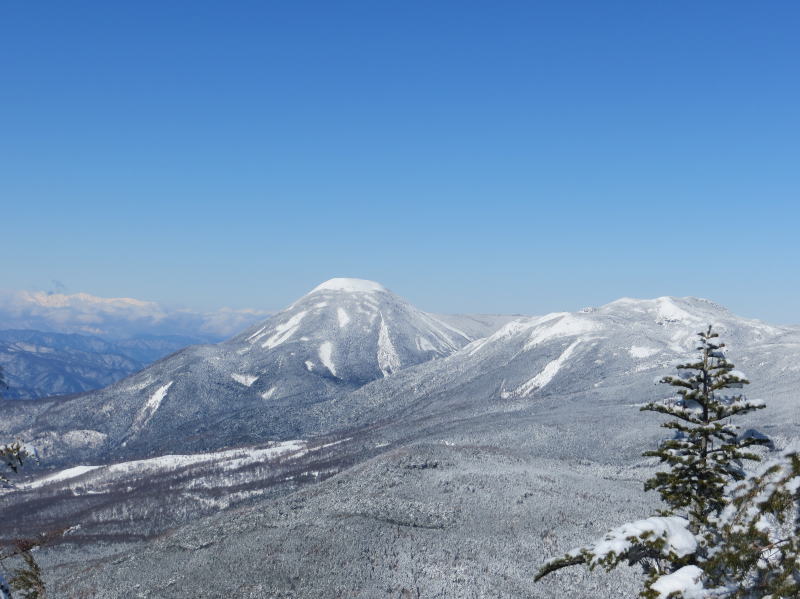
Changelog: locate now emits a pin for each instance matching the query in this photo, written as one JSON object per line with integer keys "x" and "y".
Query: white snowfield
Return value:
{"x": 149, "y": 408}
{"x": 228, "y": 459}
{"x": 561, "y": 325}
{"x": 388, "y": 360}
{"x": 640, "y": 351}
{"x": 59, "y": 476}
{"x": 326, "y": 356}
{"x": 549, "y": 371}
{"x": 245, "y": 379}
{"x": 283, "y": 331}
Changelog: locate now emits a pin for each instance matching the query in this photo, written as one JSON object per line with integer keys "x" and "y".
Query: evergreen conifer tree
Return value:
{"x": 679, "y": 550}
{"x": 707, "y": 451}
{"x": 27, "y": 579}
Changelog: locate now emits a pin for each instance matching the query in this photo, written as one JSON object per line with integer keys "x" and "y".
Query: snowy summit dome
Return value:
{"x": 349, "y": 285}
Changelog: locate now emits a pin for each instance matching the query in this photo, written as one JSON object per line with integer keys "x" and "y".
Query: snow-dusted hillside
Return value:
{"x": 456, "y": 476}
{"x": 38, "y": 364}
{"x": 258, "y": 386}
{"x": 156, "y": 494}
{"x": 564, "y": 370}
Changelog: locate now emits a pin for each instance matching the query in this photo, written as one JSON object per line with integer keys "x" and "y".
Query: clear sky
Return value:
{"x": 472, "y": 156}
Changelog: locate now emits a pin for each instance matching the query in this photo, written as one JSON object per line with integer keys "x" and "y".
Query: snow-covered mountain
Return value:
{"x": 563, "y": 370}
{"x": 351, "y": 331}
{"x": 260, "y": 385}
{"x": 468, "y": 463}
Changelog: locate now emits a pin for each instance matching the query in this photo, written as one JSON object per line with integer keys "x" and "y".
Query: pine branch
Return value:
{"x": 558, "y": 564}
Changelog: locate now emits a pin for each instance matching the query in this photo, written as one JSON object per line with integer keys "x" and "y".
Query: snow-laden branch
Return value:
{"x": 656, "y": 537}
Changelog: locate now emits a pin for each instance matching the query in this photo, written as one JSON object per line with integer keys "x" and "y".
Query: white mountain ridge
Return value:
{"x": 598, "y": 360}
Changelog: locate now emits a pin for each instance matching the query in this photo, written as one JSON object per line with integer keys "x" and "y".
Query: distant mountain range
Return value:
{"x": 383, "y": 449}
{"x": 38, "y": 364}
{"x": 350, "y": 353}
{"x": 56, "y": 344}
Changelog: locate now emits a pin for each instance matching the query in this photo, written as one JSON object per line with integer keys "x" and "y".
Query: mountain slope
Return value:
{"x": 38, "y": 364}
{"x": 562, "y": 370}
{"x": 258, "y": 386}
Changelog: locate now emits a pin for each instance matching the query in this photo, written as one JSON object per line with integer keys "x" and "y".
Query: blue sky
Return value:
{"x": 472, "y": 156}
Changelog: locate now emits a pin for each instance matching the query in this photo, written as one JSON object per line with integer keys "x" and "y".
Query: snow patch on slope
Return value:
{"x": 149, "y": 408}
{"x": 507, "y": 330}
{"x": 640, "y": 351}
{"x": 424, "y": 345}
{"x": 665, "y": 309}
{"x": 257, "y": 335}
{"x": 228, "y": 460}
{"x": 284, "y": 331}
{"x": 568, "y": 325}
{"x": 326, "y": 356}
{"x": 342, "y": 317}
{"x": 448, "y": 340}
{"x": 548, "y": 372}
{"x": 668, "y": 311}
{"x": 59, "y": 476}
{"x": 388, "y": 360}
{"x": 244, "y": 379}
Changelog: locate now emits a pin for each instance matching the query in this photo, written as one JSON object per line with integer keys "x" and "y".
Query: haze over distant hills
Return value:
{"x": 58, "y": 344}
{"x": 117, "y": 318}
{"x": 42, "y": 364}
